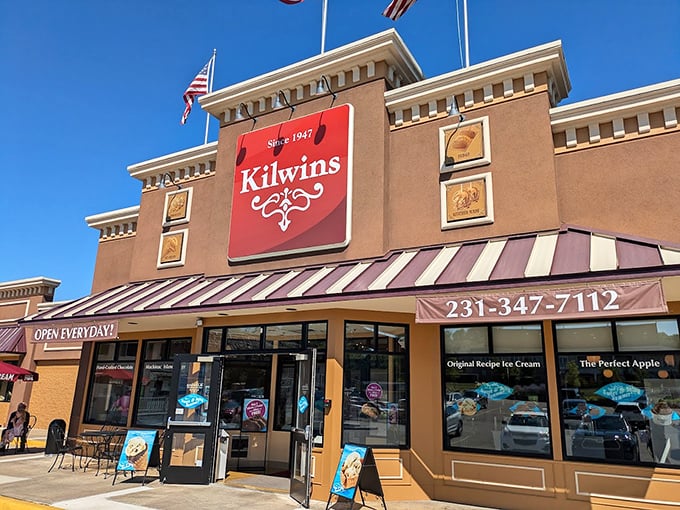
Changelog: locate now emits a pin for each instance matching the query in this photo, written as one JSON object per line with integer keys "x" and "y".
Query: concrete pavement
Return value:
{"x": 25, "y": 484}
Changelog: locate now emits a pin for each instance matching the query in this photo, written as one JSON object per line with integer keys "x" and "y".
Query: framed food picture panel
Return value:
{"x": 465, "y": 144}
{"x": 172, "y": 248}
{"x": 177, "y": 208}
{"x": 466, "y": 201}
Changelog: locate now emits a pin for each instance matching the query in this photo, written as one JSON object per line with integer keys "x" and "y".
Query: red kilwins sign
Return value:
{"x": 292, "y": 187}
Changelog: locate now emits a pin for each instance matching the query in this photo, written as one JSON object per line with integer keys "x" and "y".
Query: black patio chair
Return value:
{"x": 60, "y": 445}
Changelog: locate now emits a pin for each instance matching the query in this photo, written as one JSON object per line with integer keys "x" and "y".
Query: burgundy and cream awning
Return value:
{"x": 568, "y": 255}
{"x": 12, "y": 340}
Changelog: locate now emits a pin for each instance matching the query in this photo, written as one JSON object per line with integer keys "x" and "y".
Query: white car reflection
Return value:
{"x": 527, "y": 432}
{"x": 454, "y": 421}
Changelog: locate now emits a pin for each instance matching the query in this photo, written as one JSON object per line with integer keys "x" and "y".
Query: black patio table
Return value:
{"x": 105, "y": 446}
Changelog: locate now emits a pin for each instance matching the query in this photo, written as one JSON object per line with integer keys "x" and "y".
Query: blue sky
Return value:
{"x": 90, "y": 88}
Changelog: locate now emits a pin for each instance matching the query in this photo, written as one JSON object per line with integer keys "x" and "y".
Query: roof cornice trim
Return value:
{"x": 621, "y": 105}
{"x": 386, "y": 45}
{"x": 545, "y": 58}
{"x": 169, "y": 162}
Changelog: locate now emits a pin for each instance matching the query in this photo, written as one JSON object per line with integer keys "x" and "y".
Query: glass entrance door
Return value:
{"x": 191, "y": 433}
{"x": 301, "y": 432}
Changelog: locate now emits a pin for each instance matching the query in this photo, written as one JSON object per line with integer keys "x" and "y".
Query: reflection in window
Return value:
{"x": 154, "y": 388}
{"x": 111, "y": 383}
{"x": 495, "y": 392}
{"x": 375, "y": 403}
{"x": 622, "y": 406}
{"x": 6, "y": 387}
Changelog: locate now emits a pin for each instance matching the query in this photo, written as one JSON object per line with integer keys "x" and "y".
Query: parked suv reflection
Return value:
{"x": 607, "y": 437}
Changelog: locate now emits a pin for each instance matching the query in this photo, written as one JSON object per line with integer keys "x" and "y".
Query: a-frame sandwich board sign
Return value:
{"x": 356, "y": 470}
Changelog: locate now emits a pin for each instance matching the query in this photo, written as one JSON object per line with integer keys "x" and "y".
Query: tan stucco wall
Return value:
{"x": 56, "y": 379}
{"x": 628, "y": 187}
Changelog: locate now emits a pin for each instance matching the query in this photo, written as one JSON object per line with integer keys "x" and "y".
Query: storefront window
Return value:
{"x": 620, "y": 401}
{"x": 495, "y": 393}
{"x": 375, "y": 402}
{"x": 154, "y": 385}
{"x": 111, "y": 383}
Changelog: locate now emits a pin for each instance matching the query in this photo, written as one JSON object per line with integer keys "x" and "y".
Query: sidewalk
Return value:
{"x": 25, "y": 484}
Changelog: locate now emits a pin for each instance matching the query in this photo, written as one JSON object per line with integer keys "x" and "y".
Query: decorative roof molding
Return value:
{"x": 385, "y": 46}
{"x": 625, "y": 115}
{"x": 621, "y": 105}
{"x": 38, "y": 286}
{"x": 523, "y": 65}
{"x": 181, "y": 166}
{"x": 115, "y": 224}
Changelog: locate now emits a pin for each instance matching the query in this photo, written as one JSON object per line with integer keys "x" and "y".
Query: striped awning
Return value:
{"x": 566, "y": 255}
{"x": 12, "y": 339}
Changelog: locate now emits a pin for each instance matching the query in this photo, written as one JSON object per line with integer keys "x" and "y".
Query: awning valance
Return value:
{"x": 570, "y": 254}
{"x": 13, "y": 373}
{"x": 12, "y": 339}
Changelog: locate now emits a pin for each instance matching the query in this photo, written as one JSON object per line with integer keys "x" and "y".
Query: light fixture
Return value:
{"x": 239, "y": 114}
{"x": 199, "y": 322}
{"x": 325, "y": 86}
{"x": 163, "y": 181}
{"x": 453, "y": 112}
{"x": 277, "y": 103}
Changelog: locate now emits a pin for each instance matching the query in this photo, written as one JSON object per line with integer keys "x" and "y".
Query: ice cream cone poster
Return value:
{"x": 349, "y": 469}
{"x": 255, "y": 413}
{"x": 136, "y": 450}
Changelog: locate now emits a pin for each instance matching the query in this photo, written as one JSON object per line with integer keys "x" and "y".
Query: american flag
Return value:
{"x": 397, "y": 8}
{"x": 198, "y": 86}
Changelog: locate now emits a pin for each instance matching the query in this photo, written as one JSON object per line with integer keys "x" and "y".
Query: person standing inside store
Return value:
{"x": 17, "y": 426}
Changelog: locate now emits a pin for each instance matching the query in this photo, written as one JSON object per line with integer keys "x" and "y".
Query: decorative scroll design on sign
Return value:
{"x": 287, "y": 201}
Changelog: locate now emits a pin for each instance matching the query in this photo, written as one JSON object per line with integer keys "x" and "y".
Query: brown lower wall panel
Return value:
{"x": 658, "y": 490}
{"x": 500, "y": 475}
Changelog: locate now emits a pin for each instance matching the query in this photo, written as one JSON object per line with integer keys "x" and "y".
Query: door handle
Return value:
{"x": 189, "y": 423}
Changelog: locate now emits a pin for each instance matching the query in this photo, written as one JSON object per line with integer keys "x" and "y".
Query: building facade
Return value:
{"x": 56, "y": 366}
{"x": 489, "y": 282}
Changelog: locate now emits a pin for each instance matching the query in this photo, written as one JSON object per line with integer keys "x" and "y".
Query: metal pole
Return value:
{"x": 467, "y": 45}
{"x": 210, "y": 87}
{"x": 323, "y": 25}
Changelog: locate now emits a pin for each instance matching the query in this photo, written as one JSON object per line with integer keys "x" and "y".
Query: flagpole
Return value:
{"x": 323, "y": 25}
{"x": 210, "y": 87}
{"x": 467, "y": 45}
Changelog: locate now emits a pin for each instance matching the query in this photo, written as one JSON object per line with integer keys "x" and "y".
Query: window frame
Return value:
{"x": 445, "y": 357}
{"x": 613, "y": 353}
{"x": 405, "y": 356}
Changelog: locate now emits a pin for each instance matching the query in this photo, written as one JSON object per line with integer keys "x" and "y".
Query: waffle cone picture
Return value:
{"x": 135, "y": 451}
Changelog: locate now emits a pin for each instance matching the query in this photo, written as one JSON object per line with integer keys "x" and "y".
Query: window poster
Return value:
{"x": 136, "y": 451}
{"x": 255, "y": 414}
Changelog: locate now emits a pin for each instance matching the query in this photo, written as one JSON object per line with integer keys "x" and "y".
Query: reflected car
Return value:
{"x": 607, "y": 437}
{"x": 573, "y": 410}
{"x": 454, "y": 421}
{"x": 526, "y": 432}
{"x": 632, "y": 413}
{"x": 480, "y": 399}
